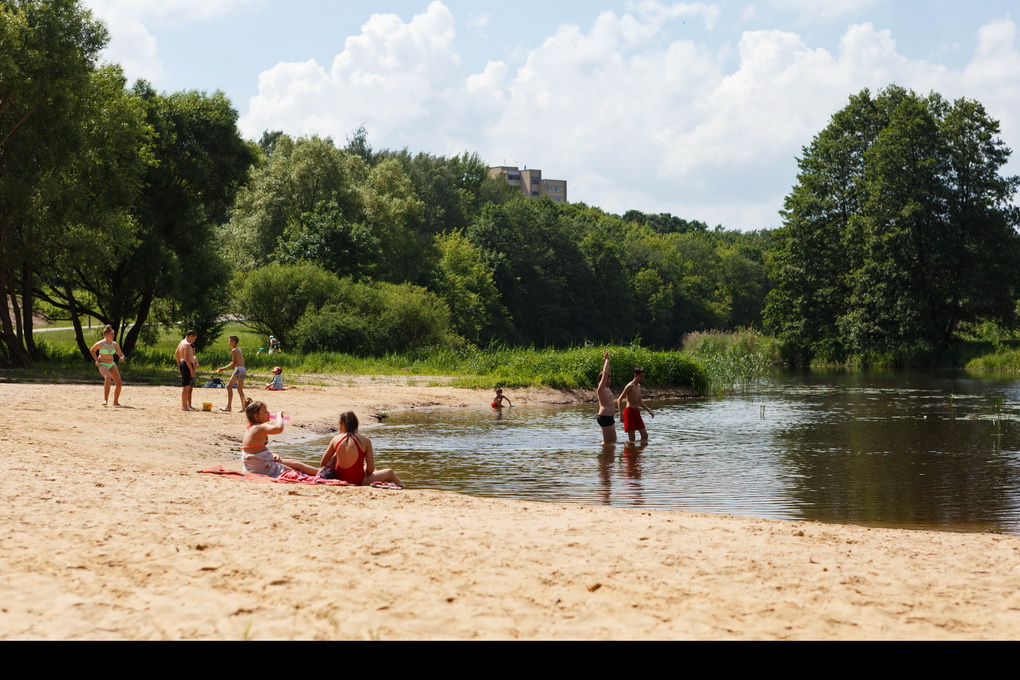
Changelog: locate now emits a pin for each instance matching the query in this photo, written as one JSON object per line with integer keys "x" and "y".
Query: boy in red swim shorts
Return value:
{"x": 632, "y": 421}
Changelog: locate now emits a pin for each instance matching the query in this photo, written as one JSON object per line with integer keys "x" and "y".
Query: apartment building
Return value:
{"x": 531, "y": 184}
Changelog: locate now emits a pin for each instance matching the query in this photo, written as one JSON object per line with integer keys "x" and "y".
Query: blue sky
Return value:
{"x": 698, "y": 109}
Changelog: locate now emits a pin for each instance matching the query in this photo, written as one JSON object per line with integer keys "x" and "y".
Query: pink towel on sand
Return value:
{"x": 288, "y": 477}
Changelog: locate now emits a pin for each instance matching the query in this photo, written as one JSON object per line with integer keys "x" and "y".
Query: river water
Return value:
{"x": 877, "y": 449}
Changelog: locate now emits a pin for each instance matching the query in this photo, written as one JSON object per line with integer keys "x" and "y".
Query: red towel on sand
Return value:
{"x": 293, "y": 477}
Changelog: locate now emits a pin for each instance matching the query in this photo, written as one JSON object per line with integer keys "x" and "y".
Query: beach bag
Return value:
{"x": 215, "y": 382}
{"x": 328, "y": 471}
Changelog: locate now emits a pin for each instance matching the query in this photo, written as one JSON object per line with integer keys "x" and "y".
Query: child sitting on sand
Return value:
{"x": 498, "y": 401}
{"x": 255, "y": 454}
{"x": 276, "y": 384}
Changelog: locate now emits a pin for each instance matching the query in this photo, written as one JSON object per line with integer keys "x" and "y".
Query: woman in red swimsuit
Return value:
{"x": 350, "y": 454}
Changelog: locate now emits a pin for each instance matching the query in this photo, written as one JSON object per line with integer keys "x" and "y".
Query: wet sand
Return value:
{"x": 109, "y": 532}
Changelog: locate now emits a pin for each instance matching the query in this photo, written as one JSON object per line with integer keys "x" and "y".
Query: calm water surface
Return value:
{"x": 875, "y": 449}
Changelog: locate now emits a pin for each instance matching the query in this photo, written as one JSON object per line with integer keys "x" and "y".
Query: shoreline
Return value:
{"x": 109, "y": 533}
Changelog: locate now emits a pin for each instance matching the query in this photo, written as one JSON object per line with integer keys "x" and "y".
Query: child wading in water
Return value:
{"x": 107, "y": 348}
{"x": 237, "y": 377}
{"x": 497, "y": 402}
{"x": 255, "y": 454}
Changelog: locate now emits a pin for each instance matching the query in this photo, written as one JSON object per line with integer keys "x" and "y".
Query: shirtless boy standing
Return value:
{"x": 632, "y": 412}
{"x": 607, "y": 406}
{"x": 187, "y": 365}
{"x": 237, "y": 377}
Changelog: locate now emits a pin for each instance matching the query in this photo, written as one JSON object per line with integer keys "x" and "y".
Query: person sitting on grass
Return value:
{"x": 255, "y": 454}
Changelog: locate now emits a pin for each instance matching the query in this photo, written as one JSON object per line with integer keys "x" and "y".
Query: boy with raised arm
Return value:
{"x": 607, "y": 406}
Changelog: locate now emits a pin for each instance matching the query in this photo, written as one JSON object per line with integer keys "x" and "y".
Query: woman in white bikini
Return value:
{"x": 103, "y": 353}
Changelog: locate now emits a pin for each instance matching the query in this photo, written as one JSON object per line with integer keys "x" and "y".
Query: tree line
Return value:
{"x": 133, "y": 207}
{"x": 900, "y": 231}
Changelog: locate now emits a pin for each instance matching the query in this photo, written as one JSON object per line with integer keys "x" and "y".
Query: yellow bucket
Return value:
{"x": 206, "y": 406}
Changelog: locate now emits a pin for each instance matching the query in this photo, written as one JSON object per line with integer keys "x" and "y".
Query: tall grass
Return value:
{"x": 736, "y": 361}
{"x": 499, "y": 365}
{"x": 1002, "y": 361}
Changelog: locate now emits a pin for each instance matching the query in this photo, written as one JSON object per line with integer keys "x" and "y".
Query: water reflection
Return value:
{"x": 867, "y": 448}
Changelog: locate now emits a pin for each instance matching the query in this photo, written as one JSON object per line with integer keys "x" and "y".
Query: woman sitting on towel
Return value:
{"x": 255, "y": 454}
{"x": 349, "y": 454}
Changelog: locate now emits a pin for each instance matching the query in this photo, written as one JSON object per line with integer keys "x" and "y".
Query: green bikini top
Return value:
{"x": 103, "y": 350}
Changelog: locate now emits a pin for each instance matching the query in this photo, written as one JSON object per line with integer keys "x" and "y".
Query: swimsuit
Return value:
{"x": 103, "y": 350}
{"x": 262, "y": 464}
{"x": 277, "y": 383}
{"x": 355, "y": 474}
{"x": 632, "y": 419}
{"x": 605, "y": 421}
{"x": 185, "y": 369}
{"x": 239, "y": 372}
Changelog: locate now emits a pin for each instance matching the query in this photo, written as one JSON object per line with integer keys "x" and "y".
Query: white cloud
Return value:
{"x": 392, "y": 77}
{"x": 631, "y": 115}
{"x": 479, "y": 21}
{"x": 130, "y": 22}
{"x": 657, "y": 12}
{"x": 823, "y": 10}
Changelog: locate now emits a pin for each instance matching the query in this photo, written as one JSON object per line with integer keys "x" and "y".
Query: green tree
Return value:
{"x": 900, "y": 228}
{"x": 48, "y": 52}
{"x": 289, "y": 185}
{"x": 543, "y": 277}
{"x": 326, "y": 238}
{"x": 200, "y": 160}
{"x": 95, "y": 227}
{"x": 464, "y": 281}
{"x": 273, "y": 298}
{"x": 374, "y": 319}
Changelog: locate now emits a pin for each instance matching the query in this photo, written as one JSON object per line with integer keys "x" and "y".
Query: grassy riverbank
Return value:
{"x": 573, "y": 368}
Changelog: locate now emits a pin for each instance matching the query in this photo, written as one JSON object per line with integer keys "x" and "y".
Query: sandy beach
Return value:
{"x": 108, "y": 531}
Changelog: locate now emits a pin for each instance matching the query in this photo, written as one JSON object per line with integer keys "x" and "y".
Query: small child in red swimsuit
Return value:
{"x": 498, "y": 401}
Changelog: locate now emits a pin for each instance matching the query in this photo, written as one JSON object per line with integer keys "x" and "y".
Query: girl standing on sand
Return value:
{"x": 107, "y": 348}
{"x": 255, "y": 454}
{"x": 349, "y": 455}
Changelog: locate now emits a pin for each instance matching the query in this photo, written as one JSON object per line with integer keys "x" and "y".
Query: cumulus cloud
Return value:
{"x": 132, "y": 43}
{"x": 392, "y": 76}
{"x": 633, "y": 112}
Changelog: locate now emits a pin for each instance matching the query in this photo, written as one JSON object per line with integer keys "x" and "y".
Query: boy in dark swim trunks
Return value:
{"x": 607, "y": 406}
{"x": 187, "y": 365}
{"x": 632, "y": 421}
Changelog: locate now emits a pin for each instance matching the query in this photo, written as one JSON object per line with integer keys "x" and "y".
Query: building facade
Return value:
{"x": 531, "y": 184}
